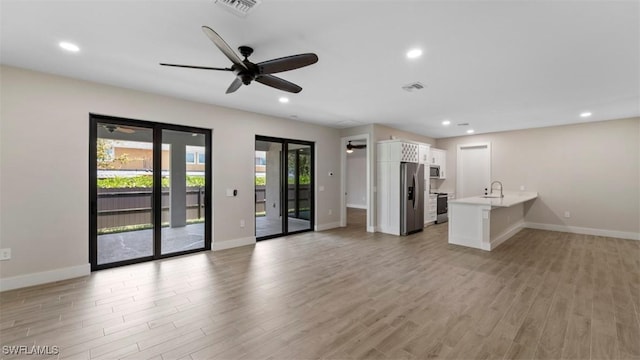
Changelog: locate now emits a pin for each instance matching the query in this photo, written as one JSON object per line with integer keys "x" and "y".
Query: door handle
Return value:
{"x": 416, "y": 191}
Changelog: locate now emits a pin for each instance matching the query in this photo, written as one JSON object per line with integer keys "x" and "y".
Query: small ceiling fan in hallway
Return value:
{"x": 350, "y": 147}
{"x": 246, "y": 71}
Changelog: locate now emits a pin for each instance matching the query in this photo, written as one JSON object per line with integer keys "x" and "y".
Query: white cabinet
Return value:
{"x": 439, "y": 157}
{"x": 388, "y": 195}
{"x": 398, "y": 151}
{"x": 430, "y": 207}
{"x": 423, "y": 153}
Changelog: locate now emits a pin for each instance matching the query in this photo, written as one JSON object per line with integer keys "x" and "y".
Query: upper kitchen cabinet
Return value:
{"x": 439, "y": 157}
{"x": 423, "y": 153}
{"x": 399, "y": 151}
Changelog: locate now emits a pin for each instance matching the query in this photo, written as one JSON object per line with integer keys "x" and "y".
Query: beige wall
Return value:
{"x": 591, "y": 170}
{"x": 45, "y": 118}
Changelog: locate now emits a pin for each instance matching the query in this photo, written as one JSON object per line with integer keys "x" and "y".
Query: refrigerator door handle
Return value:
{"x": 416, "y": 186}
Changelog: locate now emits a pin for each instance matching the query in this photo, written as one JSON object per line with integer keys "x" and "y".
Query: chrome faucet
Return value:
{"x": 499, "y": 183}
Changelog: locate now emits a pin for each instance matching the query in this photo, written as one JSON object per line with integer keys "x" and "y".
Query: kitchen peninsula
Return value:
{"x": 484, "y": 222}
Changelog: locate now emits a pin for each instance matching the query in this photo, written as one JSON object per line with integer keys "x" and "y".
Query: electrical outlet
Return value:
{"x": 567, "y": 214}
{"x": 5, "y": 254}
{"x": 242, "y": 223}
{"x": 522, "y": 188}
{"x": 330, "y": 212}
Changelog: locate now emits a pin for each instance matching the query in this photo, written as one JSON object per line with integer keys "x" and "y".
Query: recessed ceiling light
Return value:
{"x": 585, "y": 114}
{"x": 446, "y": 122}
{"x": 470, "y": 131}
{"x": 414, "y": 53}
{"x": 284, "y": 100}
{"x": 69, "y": 46}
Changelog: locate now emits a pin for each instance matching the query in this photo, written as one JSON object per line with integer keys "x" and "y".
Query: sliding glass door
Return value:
{"x": 183, "y": 164}
{"x": 149, "y": 185}
{"x": 284, "y": 187}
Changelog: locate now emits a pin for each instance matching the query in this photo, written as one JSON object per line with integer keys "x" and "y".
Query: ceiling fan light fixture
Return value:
{"x": 446, "y": 122}
{"x": 349, "y": 151}
{"x": 585, "y": 114}
{"x": 284, "y": 100}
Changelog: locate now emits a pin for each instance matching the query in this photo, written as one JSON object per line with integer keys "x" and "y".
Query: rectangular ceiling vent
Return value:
{"x": 415, "y": 86}
{"x": 239, "y": 7}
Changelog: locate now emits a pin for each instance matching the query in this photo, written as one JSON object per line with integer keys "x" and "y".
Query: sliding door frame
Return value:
{"x": 284, "y": 189}
{"x": 156, "y": 203}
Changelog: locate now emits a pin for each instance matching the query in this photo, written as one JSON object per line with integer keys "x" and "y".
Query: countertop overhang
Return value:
{"x": 510, "y": 198}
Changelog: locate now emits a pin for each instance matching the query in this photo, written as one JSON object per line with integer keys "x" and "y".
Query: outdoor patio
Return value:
{"x": 269, "y": 226}
{"x": 136, "y": 244}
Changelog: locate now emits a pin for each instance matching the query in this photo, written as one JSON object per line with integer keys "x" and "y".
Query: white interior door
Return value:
{"x": 474, "y": 169}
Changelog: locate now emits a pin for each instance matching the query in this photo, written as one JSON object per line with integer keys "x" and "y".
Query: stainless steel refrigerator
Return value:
{"x": 411, "y": 198}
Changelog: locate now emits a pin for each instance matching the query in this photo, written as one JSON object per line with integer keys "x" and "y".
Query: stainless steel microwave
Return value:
{"x": 434, "y": 171}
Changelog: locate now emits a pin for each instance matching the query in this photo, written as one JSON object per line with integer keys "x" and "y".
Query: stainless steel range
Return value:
{"x": 442, "y": 209}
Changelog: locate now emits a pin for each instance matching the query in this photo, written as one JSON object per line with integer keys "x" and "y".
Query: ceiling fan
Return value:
{"x": 111, "y": 128}
{"x": 246, "y": 71}
{"x": 351, "y": 147}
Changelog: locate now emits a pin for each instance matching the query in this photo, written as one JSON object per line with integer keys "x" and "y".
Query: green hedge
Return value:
{"x": 144, "y": 181}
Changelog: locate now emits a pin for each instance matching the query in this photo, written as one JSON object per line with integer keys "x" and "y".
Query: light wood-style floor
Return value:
{"x": 345, "y": 294}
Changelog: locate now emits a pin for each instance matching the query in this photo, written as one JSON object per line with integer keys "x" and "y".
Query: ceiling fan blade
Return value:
{"x": 125, "y": 130}
{"x": 196, "y": 67}
{"x": 278, "y": 83}
{"x": 287, "y": 63}
{"x": 235, "y": 85}
{"x": 223, "y": 46}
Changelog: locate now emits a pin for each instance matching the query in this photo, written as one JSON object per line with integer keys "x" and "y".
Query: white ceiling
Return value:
{"x": 493, "y": 64}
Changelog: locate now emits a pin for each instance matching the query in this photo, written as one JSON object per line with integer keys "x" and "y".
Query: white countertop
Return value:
{"x": 510, "y": 198}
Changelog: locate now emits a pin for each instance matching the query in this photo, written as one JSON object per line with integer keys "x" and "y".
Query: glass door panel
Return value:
{"x": 124, "y": 204}
{"x": 148, "y": 190}
{"x": 268, "y": 194}
{"x": 299, "y": 189}
{"x": 183, "y": 183}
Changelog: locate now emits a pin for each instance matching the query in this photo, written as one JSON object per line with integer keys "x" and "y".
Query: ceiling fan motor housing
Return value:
{"x": 246, "y": 75}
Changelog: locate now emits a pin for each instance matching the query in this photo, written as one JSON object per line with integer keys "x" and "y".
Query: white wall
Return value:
{"x": 44, "y": 175}
{"x": 357, "y": 179}
{"x": 591, "y": 170}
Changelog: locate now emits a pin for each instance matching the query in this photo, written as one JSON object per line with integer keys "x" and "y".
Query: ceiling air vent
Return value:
{"x": 239, "y": 7}
{"x": 413, "y": 86}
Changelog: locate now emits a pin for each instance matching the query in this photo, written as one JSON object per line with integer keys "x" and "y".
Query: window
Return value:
{"x": 201, "y": 158}
{"x": 261, "y": 158}
{"x": 191, "y": 158}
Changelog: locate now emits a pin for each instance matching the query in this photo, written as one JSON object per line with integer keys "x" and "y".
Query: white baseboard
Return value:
{"x": 357, "y": 206}
{"x": 371, "y": 229}
{"x": 507, "y": 234}
{"x": 328, "y": 226}
{"x": 228, "y": 244}
{"x": 584, "y": 230}
{"x": 44, "y": 277}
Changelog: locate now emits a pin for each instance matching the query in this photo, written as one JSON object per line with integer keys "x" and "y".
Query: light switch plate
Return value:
{"x": 5, "y": 254}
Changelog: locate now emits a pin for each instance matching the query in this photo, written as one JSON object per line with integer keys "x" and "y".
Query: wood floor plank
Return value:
{"x": 348, "y": 294}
